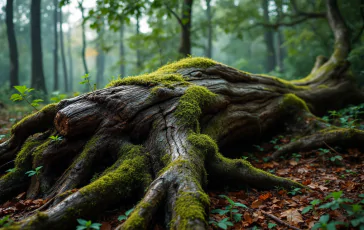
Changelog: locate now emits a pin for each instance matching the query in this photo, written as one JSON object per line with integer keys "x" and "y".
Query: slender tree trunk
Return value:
{"x": 209, "y": 29}
{"x": 186, "y": 22}
{"x": 269, "y": 39}
{"x": 122, "y": 50}
{"x": 13, "y": 48}
{"x": 138, "y": 53}
{"x": 63, "y": 55}
{"x": 70, "y": 63}
{"x": 280, "y": 40}
{"x": 83, "y": 52}
{"x": 37, "y": 79}
{"x": 100, "y": 60}
{"x": 55, "y": 47}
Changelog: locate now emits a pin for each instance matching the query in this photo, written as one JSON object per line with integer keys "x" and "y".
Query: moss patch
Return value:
{"x": 191, "y": 103}
{"x": 167, "y": 75}
{"x": 48, "y": 109}
{"x": 290, "y": 99}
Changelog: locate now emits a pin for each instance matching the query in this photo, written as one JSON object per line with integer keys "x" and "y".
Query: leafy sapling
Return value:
{"x": 11, "y": 170}
{"x": 295, "y": 191}
{"x": 324, "y": 223}
{"x": 312, "y": 207}
{"x": 230, "y": 209}
{"x": 56, "y": 138}
{"x": 223, "y": 224}
{"x": 126, "y": 215}
{"x": 35, "y": 172}
{"x": 24, "y": 95}
{"x": 87, "y": 225}
{"x": 86, "y": 80}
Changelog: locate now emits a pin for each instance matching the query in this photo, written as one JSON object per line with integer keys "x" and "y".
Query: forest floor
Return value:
{"x": 334, "y": 175}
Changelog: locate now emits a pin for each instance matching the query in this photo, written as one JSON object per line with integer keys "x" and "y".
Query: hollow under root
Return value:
{"x": 330, "y": 136}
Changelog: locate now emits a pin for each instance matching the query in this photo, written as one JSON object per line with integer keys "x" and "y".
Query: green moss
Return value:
{"x": 179, "y": 163}
{"x": 322, "y": 87}
{"x": 190, "y": 206}
{"x": 291, "y": 99}
{"x": 203, "y": 142}
{"x": 48, "y": 109}
{"x": 131, "y": 170}
{"x": 23, "y": 156}
{"x": 166, "y": 159}
{"x": 191, "y": 103}
{"x": 166, "y": 75}
{"x": 37, "y": 153}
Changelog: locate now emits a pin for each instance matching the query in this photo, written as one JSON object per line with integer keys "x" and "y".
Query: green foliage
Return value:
{"x": 87, "y": 225}
{"x": 56, "y": 138}
{"x": 347, "y": 117}
{"x": 296, "y": 156}
{"x": 57, "y": 97}
{"x": 295, "y": 191}
{"x": 126, "y": 215}
{"x": 86, "y": 81}
{"x": 271, "y": 225}
{"x": 36, "y": 171}
{"x": 324, "y": 223}
{"x": 12, "y": 170}
{"x": 336, "y": 202}
{"x": 232, "y": 210}
{"x": 312, "y": 206}
{"x": 6, "y": 221}
{"x": 259, "y": 148}
{"x": 24, "y": 95}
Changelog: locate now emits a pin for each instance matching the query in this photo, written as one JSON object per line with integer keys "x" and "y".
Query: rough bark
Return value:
{"x": 37, "y": 77}
{"x": 13, "y": 48}
{"x": 55, "y": 47}
{"x": 156, "y": 138}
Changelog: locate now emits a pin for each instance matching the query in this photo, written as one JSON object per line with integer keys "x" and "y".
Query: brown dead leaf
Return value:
{"x": 265, "y": 196}
{"x": 21, "y": 196}
{"x": 293, "y": 162}
{"x": 257, "y": 203}
{"x": 282, "y": 172}
{"x": 248, "y": 218}
{"x": 292, "y": 215}
{"x": 105, "y": 226}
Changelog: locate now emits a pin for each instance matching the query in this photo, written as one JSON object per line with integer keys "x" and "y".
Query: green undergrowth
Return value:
{"x": 167, "y": 75}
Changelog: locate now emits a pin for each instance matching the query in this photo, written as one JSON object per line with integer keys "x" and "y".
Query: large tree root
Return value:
{"x": 324, "y": 137}
{"x": 154, "y": 139}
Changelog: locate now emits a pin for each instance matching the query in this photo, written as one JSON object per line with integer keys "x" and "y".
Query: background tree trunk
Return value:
{"x": 83, "y": 52}
{"x": 122, "y": 51}
{"x": 269, "y": 39}
{"x": 13, "y": 48}
{"x": 63, "y": 55}
{"x": 186, "y": 22}
{"x": 138, "y": 54}
{"x": 209, "y": 29}
{"x": 37, "y": 79}
{"x": 55, "y": 47}
{"x": 100, "y": 59}
{"x": 70, "y": 59}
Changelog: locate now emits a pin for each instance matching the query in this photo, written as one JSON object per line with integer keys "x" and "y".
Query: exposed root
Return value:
{"x": 334, "y": 136}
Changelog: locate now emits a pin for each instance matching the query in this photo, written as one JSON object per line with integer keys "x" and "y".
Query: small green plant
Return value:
{"x": 336, "y": 202}
{"x": 336, "y": 159}
{"x": 296, "y": 156}
{"x": 294, "y": 191}
{"x": 86, "y": 80}
{"x": 56, "y": 138}
{"x": 223, "y": 224}
{"x": 243, "y": 157}
{"x": 274, "y": 141}
{"x": 324, "y": 223}
{"x": 271, "y": 225}
{"x": 36, "y": 171}
{"x": 259, "y": 148}
{"x": 231, "y": 209}
{"x": 126, "y": 215}
{"x": 323, "y": 151}
{"x": 84, "y": 224}
{"x": 57, "y": 97}
{"x": 312, "y": 206}
{"x": 11, "y": 170}
{"x": 6, "y": 221}
{"x": 24, "y": 95}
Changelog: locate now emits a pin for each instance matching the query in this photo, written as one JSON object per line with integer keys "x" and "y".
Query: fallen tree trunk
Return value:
{"x": 161, "y": 133}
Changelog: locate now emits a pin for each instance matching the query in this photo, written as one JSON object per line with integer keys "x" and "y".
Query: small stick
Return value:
{"x": 276, "y": 219}
{"x": 331, "y": 148}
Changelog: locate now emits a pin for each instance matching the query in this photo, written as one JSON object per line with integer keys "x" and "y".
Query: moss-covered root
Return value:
{"x": 17, "y": 180}
{"x": 330, "y": 136}
{"x": 128, "y": 179}
{"x": 147, "y": 208}
{"x": 81, "y": 169}
{"x": 235, "y": 171}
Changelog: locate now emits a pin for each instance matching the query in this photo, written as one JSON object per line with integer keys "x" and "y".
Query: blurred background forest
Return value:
{"x": 109, "y": 39}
